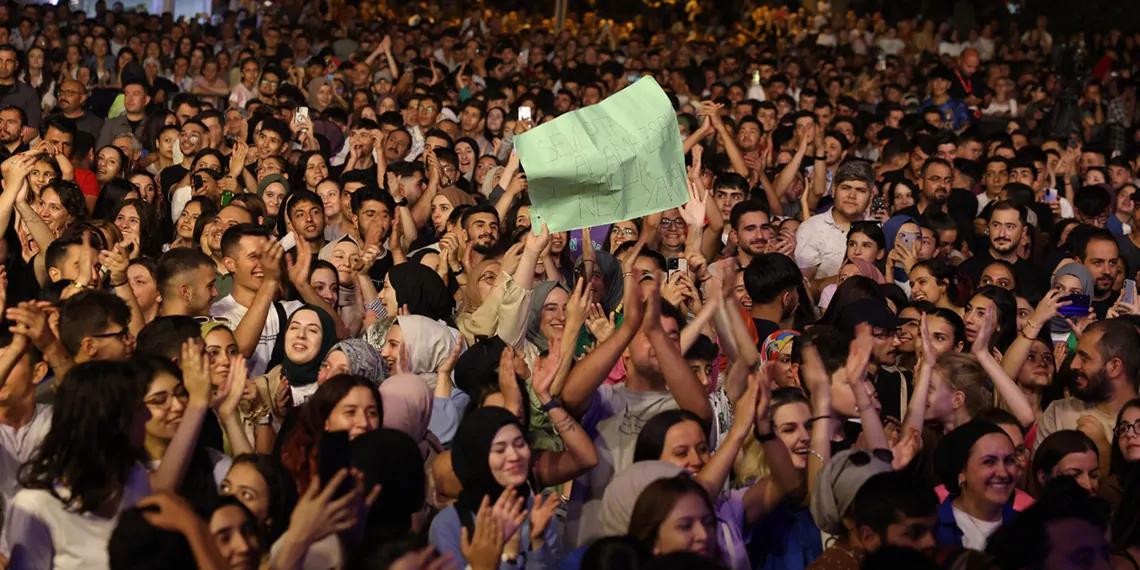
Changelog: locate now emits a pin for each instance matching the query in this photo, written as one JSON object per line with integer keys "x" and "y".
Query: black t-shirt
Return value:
{"x": 170, "y": 176}
{"x": 888, "y": 384}
{"x": 379, "y": 271}
{"x": 764, "y": 328}
{"x": 1101, "y": 307}
{"x": 1028, "y": 278}
{"x": 1129, "y": 253}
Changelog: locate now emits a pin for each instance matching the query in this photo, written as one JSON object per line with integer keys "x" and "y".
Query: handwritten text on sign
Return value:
{"x": 609, "y": 162}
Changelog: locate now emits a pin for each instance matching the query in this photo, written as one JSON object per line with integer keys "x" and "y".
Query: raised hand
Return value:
{"x": 859, "y": 356}
{"x": 693, "y": 212}
{"x": 168, "y": 511}
{"x": 269, "y": 260}
{"x": 576, "y": 308}
{"x": 545, "y": 371}
{"x": 510, "y": 511}
{"x": 318, "y": 514}
{"x": 30, "y": 321}
{"x": 982, "y": 341}
{"x": 195, "y": 372}
{"x": 483, "y": 547}
{"x": 230, "y": 395}
{"x": 300, "y": 264}
{"x": 541, "y": 513}
{"x": 538, "y": 243}
{"x": 600, "y": 325}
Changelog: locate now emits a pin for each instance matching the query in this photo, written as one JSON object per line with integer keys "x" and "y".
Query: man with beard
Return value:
{"x": 1104, "y": 379}
{"x": 821, "y": 241}
{"x": 481, "y": 229}
{"x": 1006, "y": 226}
{"x": 72, "y": 97}
{"x": 771, "y": 281}
{"x": 934, "y": 183}
{"x": 12, "y": 123}
{"x": 1100, "y": 254}
{"x": 15, "y": 93}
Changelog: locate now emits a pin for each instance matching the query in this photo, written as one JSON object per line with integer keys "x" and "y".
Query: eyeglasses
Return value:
{"x": 123, "y": 335}
{"x": 268, "y": 82}
{"x": 162, "y": 400}
{"x": 220, "y": 320}
{"x": 627, "y": 232}
{"x": 669, "y": 223}
{"x": 1125, "y": 429}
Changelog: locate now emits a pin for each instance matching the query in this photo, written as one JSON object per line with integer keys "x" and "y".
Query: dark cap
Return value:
{"x": 872, "y": 311}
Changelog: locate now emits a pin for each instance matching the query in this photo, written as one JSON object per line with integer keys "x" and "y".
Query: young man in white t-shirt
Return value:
{"x": 255, "y": 264}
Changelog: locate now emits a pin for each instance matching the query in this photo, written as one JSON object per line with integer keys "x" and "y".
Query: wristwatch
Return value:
{"x": 403, "y": 202}
{"x": 553, "y": 403}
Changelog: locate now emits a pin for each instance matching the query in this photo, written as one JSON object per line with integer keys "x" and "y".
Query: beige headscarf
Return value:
{"x": 314, "y": 89}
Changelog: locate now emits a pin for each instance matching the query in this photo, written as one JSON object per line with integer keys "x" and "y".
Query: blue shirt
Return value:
{"x": 786, "y": 539}
{"x": 947, "y": 532}
{"x": 446, "y": 530}
{"x": 954, "y": 113}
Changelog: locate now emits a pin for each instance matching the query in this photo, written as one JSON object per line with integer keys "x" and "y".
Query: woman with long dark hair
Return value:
{"x": 87, "y": 471}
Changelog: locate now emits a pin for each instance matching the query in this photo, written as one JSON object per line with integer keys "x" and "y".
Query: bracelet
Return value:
{"x": 817, "y": 455}
{"x": 819, "y": 418}
{"x": 117, "y": 285}
{"x": 1026, "y": 335}
{"x": 627, "y": 274}
{"x": 553, "y": 403}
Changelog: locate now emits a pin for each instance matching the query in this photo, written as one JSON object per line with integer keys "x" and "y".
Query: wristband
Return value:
{"x": 117, "y": 285}
{"x": 553, "y": 403}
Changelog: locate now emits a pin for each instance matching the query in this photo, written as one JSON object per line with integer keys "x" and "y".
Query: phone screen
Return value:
{"x": 1079, "y": 306}
{"x": 335, "y": 454}
{"x": 1129, "y": 293}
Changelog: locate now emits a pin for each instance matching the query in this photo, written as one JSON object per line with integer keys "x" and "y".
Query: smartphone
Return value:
{"x": 882, "y": 64}
{"x": 302, "y": 115}
{"x": 1128, "y": 295}
{"x": 1050, "y": 195}
{"x": 906, "y": 240}
{"x": 1079, "y": 306}
{"x": 335, "y": 454}
{"x": 877, "y": 204}
{"x": 677, "y": 265}
{"x": 524, "y": 113}
{"x": 756, "y": 77}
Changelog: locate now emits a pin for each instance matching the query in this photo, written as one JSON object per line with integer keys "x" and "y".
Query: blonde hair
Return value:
{"x": 963, "y": 373}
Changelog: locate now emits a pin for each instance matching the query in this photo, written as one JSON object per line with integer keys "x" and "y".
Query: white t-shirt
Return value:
{"x": 974, "y": 531}
{"x": 44, "y": 534}
{"x": 16, "y": 447}
{"x": 615, "y": 417}
{"x": 229, "y": 308}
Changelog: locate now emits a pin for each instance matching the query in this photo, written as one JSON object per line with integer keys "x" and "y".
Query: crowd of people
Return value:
{"x": 272, "y": 296}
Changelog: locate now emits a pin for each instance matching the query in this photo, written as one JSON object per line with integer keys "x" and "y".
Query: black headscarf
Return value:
{"x": 393, "y": 460}
{"x": 303, "y": 374}
{"x": 470, "y": 453}
{"x": 422, "y": 290}
{"x": 953, "y": 451}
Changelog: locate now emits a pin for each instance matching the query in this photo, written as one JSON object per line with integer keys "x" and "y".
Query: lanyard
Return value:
{"x": 969, "y": 85}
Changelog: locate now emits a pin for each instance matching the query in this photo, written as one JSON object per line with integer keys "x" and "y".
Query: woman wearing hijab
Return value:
{"x": 322, "y": 95}
{"x": 419, "y": 289}
{"x": 607, "y": 288}
{"x": 891, "y": 230}
{"x": 306, "y": 339}
{"x": 490, "y": 455}
{"x": 851, "y": 266}
{"x": 418, "y": 345}
{"x": 354, "y": 356}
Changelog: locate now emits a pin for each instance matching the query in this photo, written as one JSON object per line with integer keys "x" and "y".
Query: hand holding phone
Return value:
{"x": 524, "y": 113}
{"x": 906, "y": 240}
{"x": 1128, "y": 295}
